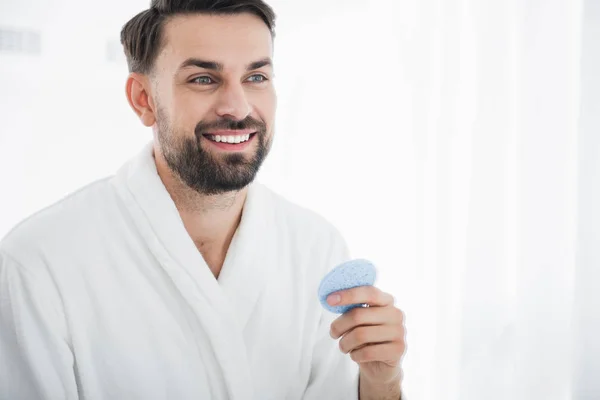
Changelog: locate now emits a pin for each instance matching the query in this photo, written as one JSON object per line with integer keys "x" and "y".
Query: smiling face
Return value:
{"x": 212, "y": 99}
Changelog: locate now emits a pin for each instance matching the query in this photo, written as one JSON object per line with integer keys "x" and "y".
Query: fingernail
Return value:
{"x": 334, "y": 299}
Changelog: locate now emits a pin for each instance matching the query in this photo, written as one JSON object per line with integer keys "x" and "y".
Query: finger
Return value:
{"x": 387, "y": 353}
{"x": 365, "y": 316}
{"x": 364, "y": 335}
{"x": 361, "y": 295}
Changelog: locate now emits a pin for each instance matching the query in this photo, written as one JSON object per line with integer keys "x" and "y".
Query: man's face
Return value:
{"x": 214, "y": 99}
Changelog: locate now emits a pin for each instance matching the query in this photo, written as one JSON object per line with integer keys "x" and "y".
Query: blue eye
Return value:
{"x": 258, "y": 78}
{"x": 203, "y": 80}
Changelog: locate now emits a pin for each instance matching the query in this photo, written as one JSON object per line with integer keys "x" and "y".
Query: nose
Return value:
{"x": 232, "y": 103}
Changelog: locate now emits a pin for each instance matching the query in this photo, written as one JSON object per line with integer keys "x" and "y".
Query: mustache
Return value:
{"x": 230, "y": 125}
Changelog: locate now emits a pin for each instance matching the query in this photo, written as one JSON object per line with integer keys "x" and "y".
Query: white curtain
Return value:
{"x": 443, "y": 138}
{"x": 586, "y": 307}
{"x": 453, "y": 142}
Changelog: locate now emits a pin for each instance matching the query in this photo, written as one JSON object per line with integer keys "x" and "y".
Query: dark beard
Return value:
{"x": 203, "y": 172}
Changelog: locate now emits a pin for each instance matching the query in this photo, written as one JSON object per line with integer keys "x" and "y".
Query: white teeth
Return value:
{"x": 230, "y": 139}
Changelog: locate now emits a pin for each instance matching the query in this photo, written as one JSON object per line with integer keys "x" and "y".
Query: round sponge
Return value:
{"x": 348, "y": 275}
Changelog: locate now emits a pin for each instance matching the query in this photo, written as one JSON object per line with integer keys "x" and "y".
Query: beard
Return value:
{"x": 207, "y": 173}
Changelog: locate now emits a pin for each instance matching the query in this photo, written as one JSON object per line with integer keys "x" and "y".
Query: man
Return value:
{"x": 179, "y": 278}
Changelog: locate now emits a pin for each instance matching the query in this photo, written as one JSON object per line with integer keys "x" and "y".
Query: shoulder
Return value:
{"x": 305, "y": 230}
{"x": 60, "y": 223}
{"x": 297, "y": 217}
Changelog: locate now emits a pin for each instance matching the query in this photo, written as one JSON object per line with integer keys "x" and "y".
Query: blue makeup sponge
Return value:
{"x": 348, "y": 275}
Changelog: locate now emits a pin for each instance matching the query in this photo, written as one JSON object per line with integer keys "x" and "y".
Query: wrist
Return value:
{"x": 380, "y": 390}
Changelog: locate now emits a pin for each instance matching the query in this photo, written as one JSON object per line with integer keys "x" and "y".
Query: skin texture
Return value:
{"x": 181, "y": 103}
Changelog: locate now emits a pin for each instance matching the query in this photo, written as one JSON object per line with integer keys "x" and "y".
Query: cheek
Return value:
{"x": 188, "y": 111}
{"x": 266, "y": 107}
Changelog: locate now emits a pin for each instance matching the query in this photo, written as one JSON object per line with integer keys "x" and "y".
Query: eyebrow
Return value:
{"x": 265, "y": 62}
{"x": 216, "y": 66}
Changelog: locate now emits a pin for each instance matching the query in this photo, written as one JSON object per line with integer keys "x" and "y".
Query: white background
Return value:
{"x": 453, "y": 142}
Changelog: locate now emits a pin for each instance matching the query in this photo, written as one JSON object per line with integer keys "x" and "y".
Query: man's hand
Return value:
{"x": 374, "y": 338}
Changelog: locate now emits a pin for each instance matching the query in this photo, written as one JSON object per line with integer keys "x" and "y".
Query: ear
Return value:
{"x": 137, "y": 90}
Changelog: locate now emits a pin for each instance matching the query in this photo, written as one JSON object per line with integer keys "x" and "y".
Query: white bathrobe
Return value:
{"x": 105, "y": 296}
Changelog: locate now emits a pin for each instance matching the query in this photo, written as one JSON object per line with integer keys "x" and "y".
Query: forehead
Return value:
{"x": 234, "y": 40}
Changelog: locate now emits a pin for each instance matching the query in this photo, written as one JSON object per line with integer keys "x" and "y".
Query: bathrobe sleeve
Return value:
{"x": 35, "y": 359}
{"x": 333, "y": 375}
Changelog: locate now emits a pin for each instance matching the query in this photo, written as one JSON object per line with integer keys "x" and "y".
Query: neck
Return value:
{"x": 210, "y": 220}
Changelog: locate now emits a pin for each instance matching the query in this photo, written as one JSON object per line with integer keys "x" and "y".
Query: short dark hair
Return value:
{"x": 142, "y": 36}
